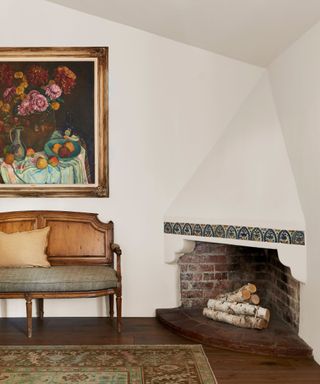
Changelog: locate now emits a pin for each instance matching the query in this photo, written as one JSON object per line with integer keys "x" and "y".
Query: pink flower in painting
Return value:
{"x": 53, "y": 91}
{"x": 9, "y": 93}
{"x": 24, "y": 108}
{"x": 39, "y": 103}
{"x": 22, "y": 111}
{"x": 33, "y": 93}
{"x": 34, "y": 102}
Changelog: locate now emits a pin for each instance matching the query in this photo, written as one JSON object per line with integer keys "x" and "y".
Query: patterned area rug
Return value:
{"x": 133, "y": 364}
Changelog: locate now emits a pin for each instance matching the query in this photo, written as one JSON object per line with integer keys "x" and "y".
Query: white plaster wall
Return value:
{"x": 295, "y": 79}
{"x": 246, "y": 179}
{"x": 169, "y": 103}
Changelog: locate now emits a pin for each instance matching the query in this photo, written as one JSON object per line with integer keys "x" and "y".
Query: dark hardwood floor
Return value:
{"x": 229, "y": 367}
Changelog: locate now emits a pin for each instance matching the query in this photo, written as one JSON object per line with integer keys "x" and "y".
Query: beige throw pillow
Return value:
{"x": 24, "y": 249}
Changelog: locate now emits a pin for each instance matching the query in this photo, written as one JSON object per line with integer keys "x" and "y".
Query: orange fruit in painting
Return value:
{"x": 56, "y": 147}
{"x": 70, "y": 146}
{"x": 42, "y": 163}
{"x": 30, "y": 152}
{"x": 53, "y": 161}
{"x": 9, "y": 158}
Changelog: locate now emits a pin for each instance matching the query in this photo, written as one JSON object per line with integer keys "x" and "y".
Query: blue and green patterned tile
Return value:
{"x": 167, "y": 227}
{"x": 298, "y": 238}
{"x": 284, "y": 237}
{"x": 270, "y": 236}
{"x": 208, "y": 231}
{"x": 256, "y": 234}
{"x": 197, "y": 230}
{"x": 187, "y": 229}
{"x": 220, "y": 231}
{"x": 177, "y": 229}
{"x": 244, "y": 233}
{"x": 231, "y": 232}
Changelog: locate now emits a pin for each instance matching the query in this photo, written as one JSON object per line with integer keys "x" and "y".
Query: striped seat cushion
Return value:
{"x": 57, "y": 279}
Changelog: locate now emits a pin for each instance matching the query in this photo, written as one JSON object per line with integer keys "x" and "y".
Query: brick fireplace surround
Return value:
{"x": 213, "y": 268}
{"x": 216, "y": 268}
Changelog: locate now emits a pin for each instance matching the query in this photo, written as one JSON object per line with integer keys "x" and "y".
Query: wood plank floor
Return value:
{"x": 229, "y": 367}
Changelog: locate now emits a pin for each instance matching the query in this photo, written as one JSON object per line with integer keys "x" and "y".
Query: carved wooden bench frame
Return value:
{"x": 94, "y": 246}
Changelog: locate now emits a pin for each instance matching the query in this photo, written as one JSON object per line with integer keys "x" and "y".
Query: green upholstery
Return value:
{"x": 57, "y": 279}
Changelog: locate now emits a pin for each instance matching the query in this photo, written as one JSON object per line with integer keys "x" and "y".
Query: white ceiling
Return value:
{"x": 254, "y": 31}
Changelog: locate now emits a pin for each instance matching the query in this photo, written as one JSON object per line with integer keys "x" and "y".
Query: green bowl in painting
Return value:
{"x": 49, "y": 149}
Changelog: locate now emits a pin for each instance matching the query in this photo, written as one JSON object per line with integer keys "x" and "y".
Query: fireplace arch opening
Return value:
{"x": 211, "y": 269}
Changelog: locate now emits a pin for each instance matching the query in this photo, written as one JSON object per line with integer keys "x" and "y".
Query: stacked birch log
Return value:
{"x": 239, "y": 308}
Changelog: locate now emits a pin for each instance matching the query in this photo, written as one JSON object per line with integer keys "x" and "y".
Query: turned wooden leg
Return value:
{"x": 40, "y": 309}
{"x": 29, "y": 315}
{"x": 119, "y": 320}
{"x": 111, "y": 305}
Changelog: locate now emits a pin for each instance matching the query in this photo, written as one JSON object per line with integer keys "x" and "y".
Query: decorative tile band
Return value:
{"x": 236, "y": 232}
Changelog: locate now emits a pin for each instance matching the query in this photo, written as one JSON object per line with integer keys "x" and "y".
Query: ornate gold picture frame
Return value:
{"x": 54, "y": 122}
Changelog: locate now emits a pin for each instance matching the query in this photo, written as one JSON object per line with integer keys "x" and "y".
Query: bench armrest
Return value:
{"x": 115, "y": 248}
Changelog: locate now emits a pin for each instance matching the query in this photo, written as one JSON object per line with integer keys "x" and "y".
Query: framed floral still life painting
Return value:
{"x": 53, "y": 122}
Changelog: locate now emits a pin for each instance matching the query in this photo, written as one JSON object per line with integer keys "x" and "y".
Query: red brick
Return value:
{"x": 201, "y": 285}
{"x": 191, "y": 294}
{"x": 193, "y": 267}
{"x": 195, "y": 302}
{"x": 222, "y": 267}
{"x": 186, "y": 276}
{"x": 184, "y": 285}
{"x": 221, "y": 276}
{"x": 210, "y": 294}
{"x": 210, "y": 248}
{"x": 188, "y": 258}
{"x": 224, "y": 285}
{"x": 197, "y": 276}
{"x": 213, "y": 259}
{"x": 209, "y": 276}
{"x": 183, "y": 267}
{"x": 207, "y": 267}
{"x": 187, "y": 303}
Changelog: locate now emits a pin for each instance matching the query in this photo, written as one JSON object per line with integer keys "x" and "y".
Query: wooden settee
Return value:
{"x": 81, "y": 254}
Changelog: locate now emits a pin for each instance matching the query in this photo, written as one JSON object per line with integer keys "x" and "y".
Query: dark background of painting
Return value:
{"x": 79, "y": 103}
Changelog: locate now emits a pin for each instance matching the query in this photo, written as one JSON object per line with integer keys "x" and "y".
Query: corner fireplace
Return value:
{"x": 211, "y": 269}
{"x": 208, "y": 267}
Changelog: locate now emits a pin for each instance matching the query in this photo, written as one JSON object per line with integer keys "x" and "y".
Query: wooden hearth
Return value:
{"x": 278, "y": 339}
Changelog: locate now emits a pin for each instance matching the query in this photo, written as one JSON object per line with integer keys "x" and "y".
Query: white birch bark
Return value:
{"x": 245, "y": 309}
{"x": 237, "y": 320}
{"x": 238, "y": 296}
